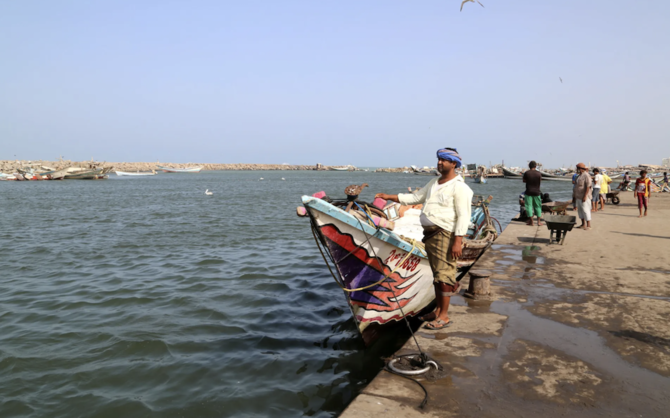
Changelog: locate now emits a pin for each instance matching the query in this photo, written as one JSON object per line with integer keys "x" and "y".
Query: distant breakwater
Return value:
{"x": 12, "y": 165}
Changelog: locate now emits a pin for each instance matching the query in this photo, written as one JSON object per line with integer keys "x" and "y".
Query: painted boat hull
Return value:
{"x": 481, "y": 180}
{"x": 180, "y": 170}
{"x": 364, "y": 255}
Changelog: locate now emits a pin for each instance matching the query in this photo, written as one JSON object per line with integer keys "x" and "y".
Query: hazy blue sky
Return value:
{"x": 365, "y": 82}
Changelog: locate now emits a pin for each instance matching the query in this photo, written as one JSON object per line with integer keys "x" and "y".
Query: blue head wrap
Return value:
{"x": 450, "y": 154}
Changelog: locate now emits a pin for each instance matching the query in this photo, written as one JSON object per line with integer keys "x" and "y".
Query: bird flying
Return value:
{"x": 471, "y": 1}
{"x": 561, "y": 80}
{"x": 208, "y": 193}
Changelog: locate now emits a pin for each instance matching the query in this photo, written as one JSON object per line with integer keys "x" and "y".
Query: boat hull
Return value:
{"x": 363, "y": 256}
{"x": 508, "y": 174}
{"x": 552, "y": 177}
{"x": 124, "y": 173}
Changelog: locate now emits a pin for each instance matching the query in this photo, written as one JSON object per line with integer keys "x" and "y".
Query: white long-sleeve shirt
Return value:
{"x": 449, "y": 207}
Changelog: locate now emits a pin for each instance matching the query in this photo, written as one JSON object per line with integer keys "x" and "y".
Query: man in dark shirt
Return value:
{"x": 533, "y": 199}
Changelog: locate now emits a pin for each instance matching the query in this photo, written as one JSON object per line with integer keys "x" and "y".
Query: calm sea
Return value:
{"x": 143, "y": 297}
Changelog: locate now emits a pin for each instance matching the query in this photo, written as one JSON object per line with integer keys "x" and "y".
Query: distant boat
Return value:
{"x": 137, "y": 173}
{"x": 509, "y": 174}
{"x": 87, "y": 174}
{"x": 480, "y": 174}
{"x": 345, "y": 168}
{"x": 548, "y": 176}
{"x": 180, "y": 170}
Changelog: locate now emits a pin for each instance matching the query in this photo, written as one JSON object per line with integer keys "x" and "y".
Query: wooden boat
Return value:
{"x": 137, "y": 173}
{"x": 480, "y": 174}
{"x": 384, "y": 276}
{"x": 344, "y": 168}
{"x": 509, "y": 174}
{"x": 180, "y": 170}
{"x": 89, "y": 174}
{"x": 552, "y": 177}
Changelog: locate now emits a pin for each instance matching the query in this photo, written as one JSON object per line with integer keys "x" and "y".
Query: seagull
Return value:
{"x": 208, "y": 193}
{"x": 471, "y": 1}
{"x": 561, "y": 80}
{"x": 283, "y": 178}
{"x": 260, "y": 179}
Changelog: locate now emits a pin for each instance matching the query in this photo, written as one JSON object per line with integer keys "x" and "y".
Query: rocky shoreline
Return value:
{"x": 13, "y": 165}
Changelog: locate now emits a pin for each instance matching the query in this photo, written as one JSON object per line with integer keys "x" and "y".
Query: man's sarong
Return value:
{"x": 438, "y": 242}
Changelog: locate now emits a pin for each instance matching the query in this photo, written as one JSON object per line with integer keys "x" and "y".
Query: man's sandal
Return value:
{"x": 439, "y": 324}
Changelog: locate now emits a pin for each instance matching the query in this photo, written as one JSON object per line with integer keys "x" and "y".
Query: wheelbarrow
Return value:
{"x": 559, "y": 225}
{"x": 557, "y": 208}
{"x": 613, "y": 195}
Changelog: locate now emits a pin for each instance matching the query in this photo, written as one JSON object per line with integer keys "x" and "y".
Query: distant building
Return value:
{"x": 666, "y": 162}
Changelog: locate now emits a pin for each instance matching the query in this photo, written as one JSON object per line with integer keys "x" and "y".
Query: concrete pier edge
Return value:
{"x": 577, "y": 330}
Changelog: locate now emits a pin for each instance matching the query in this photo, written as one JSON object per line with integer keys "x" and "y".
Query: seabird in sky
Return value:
{"x": 471, "y": 1}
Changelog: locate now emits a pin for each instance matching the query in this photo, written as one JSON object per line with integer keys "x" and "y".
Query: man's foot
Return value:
{"x": 530, "y": 223}
{"x": 539, "y": 222}
{"x": 645, "y": 213}
{"x": 428, "y": 317}
{"x": 439, "y": 324}
{"x": 640, "y": 216}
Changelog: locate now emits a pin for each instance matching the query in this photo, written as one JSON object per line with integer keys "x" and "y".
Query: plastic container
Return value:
{"x": 319, "y": 195}
{"x": 379, "y": 203}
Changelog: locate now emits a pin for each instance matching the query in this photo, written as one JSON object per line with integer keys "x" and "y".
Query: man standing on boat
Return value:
{"x": 445, "y": 218}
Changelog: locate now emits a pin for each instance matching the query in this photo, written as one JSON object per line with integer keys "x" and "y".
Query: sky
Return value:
{"x": 372, "y": 83}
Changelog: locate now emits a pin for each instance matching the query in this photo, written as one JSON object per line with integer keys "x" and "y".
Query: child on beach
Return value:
{"x": 642, "y": 191}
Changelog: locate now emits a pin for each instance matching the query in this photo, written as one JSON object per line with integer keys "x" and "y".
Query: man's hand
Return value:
{"x": 457, "y": 248}
{"x": 391, "y": 197}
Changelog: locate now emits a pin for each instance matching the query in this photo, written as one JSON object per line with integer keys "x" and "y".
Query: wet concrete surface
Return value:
{"x": 579, "y": 330}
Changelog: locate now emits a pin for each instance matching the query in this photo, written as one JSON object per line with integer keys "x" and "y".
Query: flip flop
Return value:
{"x": 440, "y": 324}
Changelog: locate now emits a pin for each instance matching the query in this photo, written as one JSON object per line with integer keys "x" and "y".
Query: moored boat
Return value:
{"x": 509, "y": 174}
{"x": 137, "y": 173}
{"x": 88, "y": 174}
{"x": 180, "y": 170}
{"x": 551, "y": 177}
{"x": 385, "y": 276}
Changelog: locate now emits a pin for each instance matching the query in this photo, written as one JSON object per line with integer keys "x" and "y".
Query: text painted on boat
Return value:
{"x": 396, "y": 256}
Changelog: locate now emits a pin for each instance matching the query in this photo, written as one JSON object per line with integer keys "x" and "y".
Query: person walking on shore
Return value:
{"x": 574, "y": 181}
{"x": 533, "y": 198}
{"x": 582, "y": 195}
{"x": 604, "y": 189}
{"x": 626, "y": 181}
{"x": 665, "y": 185}
{"x": 643, "y": 192}
{"x": 597, "y": 182}
{"x": 445, "y": 218}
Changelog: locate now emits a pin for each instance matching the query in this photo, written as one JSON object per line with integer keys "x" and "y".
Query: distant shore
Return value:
{"x": 12, "y": 165}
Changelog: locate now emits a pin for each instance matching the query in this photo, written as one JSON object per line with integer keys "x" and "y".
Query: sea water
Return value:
{"x": 142, "y": 296}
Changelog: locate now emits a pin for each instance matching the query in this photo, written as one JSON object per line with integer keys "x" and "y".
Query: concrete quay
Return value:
{"x": 578, "y": 330}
